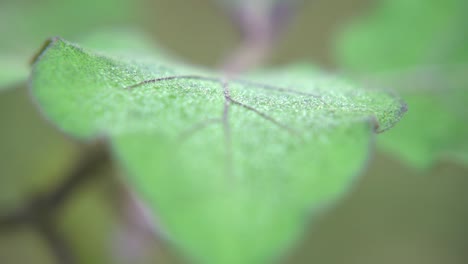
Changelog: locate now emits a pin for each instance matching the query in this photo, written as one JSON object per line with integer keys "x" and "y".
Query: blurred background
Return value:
{"x": 395, "y": 214}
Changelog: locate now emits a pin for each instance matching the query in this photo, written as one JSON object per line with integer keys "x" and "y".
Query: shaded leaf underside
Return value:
{"x": 231, "y": 171}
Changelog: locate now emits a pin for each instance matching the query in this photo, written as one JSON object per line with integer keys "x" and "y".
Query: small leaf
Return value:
{"x": 419, "y": 48}
{"x": 232, "y": 175}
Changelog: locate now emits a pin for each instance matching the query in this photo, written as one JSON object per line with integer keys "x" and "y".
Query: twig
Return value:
{"x": 41, "y": 209}
{"x": 57, "y": 243}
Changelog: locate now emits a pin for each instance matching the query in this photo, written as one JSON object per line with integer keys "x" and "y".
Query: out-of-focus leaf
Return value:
{"x": 225, "y": 186}
{"x": 419, "y": 48}
{"x": 25, "y": 24}
{"x": 12, "y": 71}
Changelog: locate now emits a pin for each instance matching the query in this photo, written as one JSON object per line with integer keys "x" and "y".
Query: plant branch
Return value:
{"x": 40, "y": 210}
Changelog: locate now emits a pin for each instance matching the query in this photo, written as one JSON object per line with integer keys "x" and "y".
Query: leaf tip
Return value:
{"x": 45, "y": 46}
{"x": 403, "y": 107}
{"x": 397, "y": 112}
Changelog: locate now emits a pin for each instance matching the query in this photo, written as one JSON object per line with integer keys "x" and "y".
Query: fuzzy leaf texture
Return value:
{"x": 419, "y": 48}
{"x": 228, "y": 180}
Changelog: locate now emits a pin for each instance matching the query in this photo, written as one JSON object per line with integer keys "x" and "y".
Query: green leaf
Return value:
{"x": 25, "y": 24}
{"x": 417, "y": 47}
{"x": 25, "y": 170}
{"x": 225, "y": 186}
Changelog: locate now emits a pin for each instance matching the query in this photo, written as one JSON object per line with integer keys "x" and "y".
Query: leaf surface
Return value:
{"x": 231, "y": 175}
{"x": 420, "y": 49}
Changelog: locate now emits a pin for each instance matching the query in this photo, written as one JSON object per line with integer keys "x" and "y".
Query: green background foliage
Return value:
{"x": 419, "y": 48}
{"x": 24, "y": 25}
